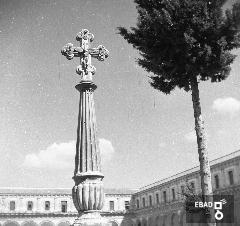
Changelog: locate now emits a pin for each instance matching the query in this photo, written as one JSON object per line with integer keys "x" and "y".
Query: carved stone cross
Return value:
{"x": 85, "y": 53}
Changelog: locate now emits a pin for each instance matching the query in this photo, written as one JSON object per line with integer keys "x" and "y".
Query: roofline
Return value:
{"x": 27, "y": 188}
{"x": 37, "y": 191}
{"x": 224, "y": 158}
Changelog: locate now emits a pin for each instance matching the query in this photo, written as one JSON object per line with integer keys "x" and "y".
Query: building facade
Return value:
{"x": 161, "y": 203}
{"x": 157, "y": 204}
{"x": 50, "y": 207}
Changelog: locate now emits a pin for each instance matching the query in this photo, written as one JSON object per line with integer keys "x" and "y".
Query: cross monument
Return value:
{"x": 87, "y": 193}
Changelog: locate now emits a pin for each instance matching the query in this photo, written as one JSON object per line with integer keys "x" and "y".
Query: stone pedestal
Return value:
{"x": 91, "y": 218}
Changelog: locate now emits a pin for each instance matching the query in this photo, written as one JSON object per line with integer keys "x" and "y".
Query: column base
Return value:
{"x": 91, "y": 218}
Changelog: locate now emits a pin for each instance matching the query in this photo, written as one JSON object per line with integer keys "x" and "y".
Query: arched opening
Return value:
{"x": 182, "y": 219}
{"x": 65, "y": 223}
{"x": 157, "y": 221}
{"x": 164, "y": 221}
{"x": 138, "y": 223}
{"x": 11, "y": 223}
{"x": 150, "y": 221}
{"x": 113, "y": 223}
{"x": 47, "y": 223}
{"x": 174, "y": 220}
{"x": 127, "y": 222}
{"x": 29, "y": 223}
{"x": 144, "y": 222}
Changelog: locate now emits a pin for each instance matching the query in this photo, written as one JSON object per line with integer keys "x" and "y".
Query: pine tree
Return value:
{"x": 183, "y": 42}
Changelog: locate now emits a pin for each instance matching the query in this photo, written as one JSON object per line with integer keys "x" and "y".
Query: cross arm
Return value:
{"x": 101, "y": 53}
{"x": 69, "y": 51}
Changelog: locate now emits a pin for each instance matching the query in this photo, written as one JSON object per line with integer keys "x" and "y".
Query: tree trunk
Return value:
{"x": 205, "y": 172}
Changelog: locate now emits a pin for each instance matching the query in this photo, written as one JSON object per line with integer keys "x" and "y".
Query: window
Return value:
{"x": 150, "y": 200}
{"x": 230, "y": 176}
{"x": 182, "y": 189}
{"x": 64, "y": 206}
{"x": 157, "y": 198}
{"x": 12, "y": 205}
{"x": 47, "y": 205}
{"x": 173, "y": 194}
{"x": 143, "y": 202}
{"x": 137, "y": 203}
{"x": 192, "y": 186}
{"x": 127, "y": 205}
{"x": 216, "y": 181}
{"x": 165, "y": 196}
{"x": 111, "y": 205}
{"x": 29, "y": 205}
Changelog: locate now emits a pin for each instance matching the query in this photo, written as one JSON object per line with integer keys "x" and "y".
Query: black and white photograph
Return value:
{"x": 120, "y": 113}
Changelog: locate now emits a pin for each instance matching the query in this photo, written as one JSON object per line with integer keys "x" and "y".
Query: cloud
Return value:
{"x": 191, "y": 137}
{"x": 61, "y": 156}
{"x": 56, "y": 156}
{"x": 226, "y": 105}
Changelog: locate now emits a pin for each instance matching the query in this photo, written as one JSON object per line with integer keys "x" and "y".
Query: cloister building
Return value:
{"x": 156, "y": 204}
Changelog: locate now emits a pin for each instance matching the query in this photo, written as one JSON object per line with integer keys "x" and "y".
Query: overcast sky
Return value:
{"x": 144, "y": 135}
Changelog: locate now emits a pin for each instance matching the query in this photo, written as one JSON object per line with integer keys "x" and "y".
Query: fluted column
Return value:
{"x": 88, "y": 190}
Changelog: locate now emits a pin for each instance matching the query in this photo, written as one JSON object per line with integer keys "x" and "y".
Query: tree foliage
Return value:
{"x": 178, "y": 39}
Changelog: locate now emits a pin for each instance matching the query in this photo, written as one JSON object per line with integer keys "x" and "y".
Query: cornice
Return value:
{"x": 224, "y": 160}
{"x": 69, "y": 214}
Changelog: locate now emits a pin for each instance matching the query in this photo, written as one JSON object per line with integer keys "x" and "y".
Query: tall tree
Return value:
{"x": 183, "y": 42}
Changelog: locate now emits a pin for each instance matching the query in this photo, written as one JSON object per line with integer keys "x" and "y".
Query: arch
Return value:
{"x": 174, "y": 219}
{"x": 150, "y": 221}
{"x": 138, "y": 223}
{"x": 11, "y": 223}
{"x": 29, "y": 223}
{"x": 164, "y": 220}
{"x": 144, "y": 222}
{"x": 47, "y": 223}
{"x": 113, "y": 223}
{"x": 183, "y": 219}
{"x": 64, "y": 223}
{"x": 131, "y": 223}
{"x": 157, "y": 221}
{"x": 127, "y": 222}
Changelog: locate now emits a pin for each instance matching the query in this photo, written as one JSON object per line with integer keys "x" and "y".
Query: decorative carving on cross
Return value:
{"x": 85, "y": 53}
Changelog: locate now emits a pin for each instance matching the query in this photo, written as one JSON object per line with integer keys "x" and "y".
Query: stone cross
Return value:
{"x": 87, "y": 193}
{"x": 85, "y": 53}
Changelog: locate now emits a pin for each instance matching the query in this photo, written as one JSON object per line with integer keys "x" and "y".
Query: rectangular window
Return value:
{"x": 182, "y": 189}
{"x": 150, "y": 200}
{"x": 230, "y": 175}
{"x": 192, "y": 186}
{"x": 143, "y": 202}
{"x": 138, "y": 204}
{"x": 216, "y": 181}
{"x": 173, "y": 194}
{"x": 157, "y": 198}
{"x": 127, "y": 205}
{"x": 165, "y": 196}
{"x": 47, "y": 205}
{"x": 111, "y": 205}
{"x": 29, "y": 205}
{"x": 12, "y": 205}
{"x": 64, "y": 206}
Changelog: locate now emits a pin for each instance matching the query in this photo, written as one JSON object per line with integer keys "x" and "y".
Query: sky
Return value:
{"x": 144, "y": 135}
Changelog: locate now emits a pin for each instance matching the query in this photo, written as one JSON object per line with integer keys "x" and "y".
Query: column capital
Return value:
{"x": 86, "y": 85}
